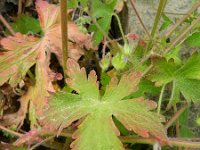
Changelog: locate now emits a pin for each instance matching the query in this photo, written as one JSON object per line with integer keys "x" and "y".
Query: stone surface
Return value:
{"x": 147, "y": 10}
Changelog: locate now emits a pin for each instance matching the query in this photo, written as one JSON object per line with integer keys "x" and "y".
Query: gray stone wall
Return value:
{"x": 147, "y": 10}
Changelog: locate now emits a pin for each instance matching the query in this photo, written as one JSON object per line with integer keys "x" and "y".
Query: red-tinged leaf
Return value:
{"x": 30, "y": 137}
{"x": 21, "y": 54}
{"x": 144, "y": 122}
{"x": 49, "y": 16}
{"x": 96, "y": 113}
{"x": 78, "y": 81}
{"x": 26, "y": 51}
{"x": 115, "y": 91}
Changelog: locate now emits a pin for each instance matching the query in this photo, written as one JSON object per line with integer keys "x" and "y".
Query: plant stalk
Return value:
{"x": 120, "y": 27}
{"x": 160, "y": 10}
{"x": 171, "y": 30}
{"x": 176, "y": 115}
{"x": 182, "y": 35}
{"x": 10, "y": 131}
{"x": 171, "y": 142}
{"x": 64, "y": 33}
{"x": 158, "y": 16}
{"x": 19, "y": 12}
{"x": 6, "y": 24}
{"x": 160, "y": 99}
{"x": 180, "y": 142}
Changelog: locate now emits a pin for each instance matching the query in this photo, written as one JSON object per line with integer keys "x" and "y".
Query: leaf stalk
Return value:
{"x": 64, "y": 33}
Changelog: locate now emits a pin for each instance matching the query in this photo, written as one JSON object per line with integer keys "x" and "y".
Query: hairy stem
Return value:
{"x": 158, "y": 16}
{"x": 172, "y": 96}
{"x": 64, "y": 32}
{"x": 10, "y": 131}
{"x": 171, "y": 142}
{"x": 6, "y": 24}
{"x": 160, "y": 99}
{"x": 120, "y": 26}
{"x": 182, "y": 35}
{"x": 160, "y": 10}
{"x": 40, "y": 143}
{"x": 172, "y": 29}
{"x": 19, "y": 12}
{"x": 176, "y": 115}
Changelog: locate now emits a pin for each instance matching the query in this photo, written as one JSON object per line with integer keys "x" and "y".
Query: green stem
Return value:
{"x": 172, "y": 95}
{"x": 171, "y": 142}
{"x": 120, "y": 27}
{"x": 160, "y": 99}
{"x": 40, "y": 143}
{"x": 158, "y": 16}
{"x": 64, "y": 32}
{"x": 172, "y": 29}
{"x": 182, "y": 35}
{"x": 180, "y": 142}
{"x": 160, "y": 10}
{"x": 6, "y": 24}
{"x": 10, "y": 131}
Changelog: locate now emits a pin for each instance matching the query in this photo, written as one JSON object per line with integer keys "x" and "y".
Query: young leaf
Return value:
{"x": 103, "y": 15}
{"x": 166, "y": 23}
{"x": 185, "y": 77}
{"x": 134, "y": 114}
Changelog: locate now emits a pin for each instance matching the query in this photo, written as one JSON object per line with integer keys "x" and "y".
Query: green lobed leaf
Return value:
{"x": 163, "y": 72}
{"x": 189, "y": 88}
{"x": 193, "y": 40}
{"x": 78, "y": 81}
{"x": 96, "y": 112}
{"x": 185, "y": 76}
{"x": 105, "y": 79}
{"x": 174, "y": 54}
{"x": 116, "y": 91}
{"x": 145, "y": 86}
{"x": 191, "y": 68}
{"x": 26, "y": 24}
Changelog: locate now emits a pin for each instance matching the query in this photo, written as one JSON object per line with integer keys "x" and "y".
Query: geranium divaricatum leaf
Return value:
{"x": 185, "y": 76}
{"x": 23, "y": 51}
{"x": 96, "y": 112}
